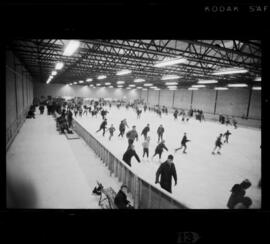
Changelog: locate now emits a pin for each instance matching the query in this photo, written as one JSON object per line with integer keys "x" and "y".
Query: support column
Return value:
{"x": 158, "y": 97}
{"x": 215, "y": 108}
{"x": 249, "y": 100}
{"x": 173, "y": 99}
{"x": 191, "y": 99}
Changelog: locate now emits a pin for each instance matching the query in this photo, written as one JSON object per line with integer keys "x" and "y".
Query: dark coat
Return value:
{"x": 145, "y": 130}
{"x": 160, "y": 130}
{"x": 128, "y": 155}
{"x": 160, "y": 147}
{"x": 120, "y": 200}
{"x": 237, "y": 196}
{"x": 103, "y": 125}
{"x": 184, "y": 140}
{"x": 167, "y": 171}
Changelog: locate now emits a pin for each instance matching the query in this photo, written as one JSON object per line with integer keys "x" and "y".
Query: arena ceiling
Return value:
{"x": 107, "y": 57}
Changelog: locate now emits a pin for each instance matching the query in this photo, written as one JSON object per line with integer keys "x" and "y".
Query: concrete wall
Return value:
{"x": 166, "y": 98}
{"x": 182, "y": 98}
{"x": 54, "y": 90}
{"x": 204, "y": 100}
{"x": 19, "y": 96}
{"x": 255, "y": 105}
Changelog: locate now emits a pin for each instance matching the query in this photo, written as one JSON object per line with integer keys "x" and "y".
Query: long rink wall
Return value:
{"x": 145, "y": 195}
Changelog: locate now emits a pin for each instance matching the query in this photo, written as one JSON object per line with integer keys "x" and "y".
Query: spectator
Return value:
{"x": 120, "y": 199}
{"x": 244, "y": 204}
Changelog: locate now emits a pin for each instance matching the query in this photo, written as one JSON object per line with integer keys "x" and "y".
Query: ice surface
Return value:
{"x": 204, "y": 180}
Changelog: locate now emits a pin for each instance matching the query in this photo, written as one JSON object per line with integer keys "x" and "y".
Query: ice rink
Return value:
{"x": 204, "y": 180}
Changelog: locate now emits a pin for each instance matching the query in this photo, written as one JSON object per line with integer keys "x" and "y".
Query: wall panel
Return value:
{"x": 153, "y": 97}
{"x": 204, "y": 99}
{"x": 166, "y": 98}
{"x": 255, "y": 105}
{"x": 182, "y": 99}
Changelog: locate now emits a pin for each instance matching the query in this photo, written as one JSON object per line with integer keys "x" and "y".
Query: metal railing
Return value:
{"x": 145, "y": 195}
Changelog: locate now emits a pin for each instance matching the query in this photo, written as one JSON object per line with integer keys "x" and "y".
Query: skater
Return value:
{"x": 159, "y": 149}
{"x": 167, "y": 171}
{"x": 145, "y": 145}
{"x": 226, "y": 135}
{"x": 238, "y": 193}
{"x": 145, "y": 107}
{"x": 104, "y": 113}
{"x": 160, "y": 132}
{"x": 145, "y": 131}
{"x": 103, "y": 126}
{"x": 130, "y": 152}
{"x": 132, "y": 135}
{"x": 234, "y": 123}
{"x": 175, "y": 114}
{"x": 41, "y": 108}
{"x": 218, "y": 144}
{"x": 75, "y": 111}
{"x": 138, "y": 111}
{"x": 80, "y": 111}
{"x": 122, "y": 127}
{"x": 120, "y": 199}
{"x": 228, "y": 121}
{"x": 183, "y": 143}
{"x": 111, "y": 130}
{"x": 85, "y": 110}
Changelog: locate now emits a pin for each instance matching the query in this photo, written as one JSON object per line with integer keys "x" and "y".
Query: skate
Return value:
{"x": 184, "y": 152}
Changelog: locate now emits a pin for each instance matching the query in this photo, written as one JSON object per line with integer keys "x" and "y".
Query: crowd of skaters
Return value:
{"x": 66, "y": 110}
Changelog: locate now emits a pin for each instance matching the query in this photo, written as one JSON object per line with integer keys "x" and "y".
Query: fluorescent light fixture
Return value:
{"x": 221, "y": 88}
{"x": 156, "y": 89}
{"x": 198, "y": 86}
{"x": 71, "y": 48}
{"x": 207, "y": 81}
{"x": 48, "y": 81}
{"x": 258, "y": 88}
{"x": 101, "y": 77}
{"x": 131, "y": 85}
{"x": 54, "y": 72}
{"x": 59, "y": 65}
{"x": 89, "y": 79}
{"x": 170, "y": 87}
{"x": 98, "y": 84}
{"x": 171, "y": 83}
{"x": 139, "y": 87}
{"x": 237, "y": 85}
{"x": 258, "y": 79}
{"x": 139, "y": 80}
{"x": 230, "y": 71}
{"x": 120, "y": 82}
{"x": 119, "y": 86}
{"x": 81, "y": 81}
{"x": 75, "y": 83}
{"x": 50, "y": 77}
{"x": 110, "y": 86}
{"x": 170, "y": 77}
{"x": 123, "y": 72}
{"x": 148, "y": 84}
{"x": 108, "y": 83}
{"x": 145, "y": 89}
{"x": 128, "y": 88}
{"x": 153, "y": 87}
{"x": 193, "y": 88}
{"x": 170, "y": 62}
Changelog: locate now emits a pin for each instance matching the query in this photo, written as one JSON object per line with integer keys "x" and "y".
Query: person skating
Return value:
{"x": 175, "y": 114}
{"x": 103, "y": 126}
{"x": 160, "y": 132}
{"x": 69, "y": 118}
{"x": 218, "y": 144}
{"x": 130, "y": 152}
{"x": 132, "y": 135}
{"x": 226, "y": 135}
{"x": 122, "y": 127}
{"x": 167, "y": 171}
{"x": 145, "y": 107}
{"x": 145, "y": 145}
{"x": 183, "y": 143}
{"x": 159, "y": 149}
{"x": 103, "y": 113}
{"x": 145, "y": 131}
{"x": 234, "y": 123}
{"x": 80, "y": 111}
{"x": 228, "y": 121}
{"x": 111, "y": 130}
{"x": 41, "y": 108}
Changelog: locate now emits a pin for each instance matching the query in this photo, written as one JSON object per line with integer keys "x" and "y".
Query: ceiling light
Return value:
{"x": 107, "y": 83}
{"x": 221, "y": 88}
{"x": 170, "y": 62}
{"x": 101, "y": 77}
{"x": 198, "y": 85}
{"x": 81, "y": 81}
{"x": 237, "y": 85}
{"x": 131, "y": 85}
{"x": 128, "y": 88}
{"x": 120, "y": 82}
{"x": 110, "y": 86}
{"x": 145, "y": 89}
{"x": 258, "y": 79}
{"x": 54, "y": 72}
{"x": 256, "y": 88}
{"x": 123, "y": 72}
{"x": 89, "y": 79}
{"x": 139, "y": 80}
{"x": 193, "y": 88}
{"x": 148, "y": 84}
{"x": 59, "y": 65}
{"x": 170, "y": 77}
{"x": 172, "y": 87}
{"x": 71, "y": 48}
{"x": 171, "y": 83}
{"x": 139, "y": 87}
{"x": 207, "y": 81}
{"x": 230, "y": 71}
{"x": 98, "y": 84}
{"x": 75, "y": 83}
{"x": 119, "y": 86}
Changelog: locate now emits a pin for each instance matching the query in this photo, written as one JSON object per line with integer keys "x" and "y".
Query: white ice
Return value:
{"x": 204, "y": 180}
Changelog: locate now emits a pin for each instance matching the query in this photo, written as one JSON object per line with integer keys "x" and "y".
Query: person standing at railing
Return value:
{"x": 129, "y": 154}
{"x": 167, "y": 171}
{"x": 103, "y": 126}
